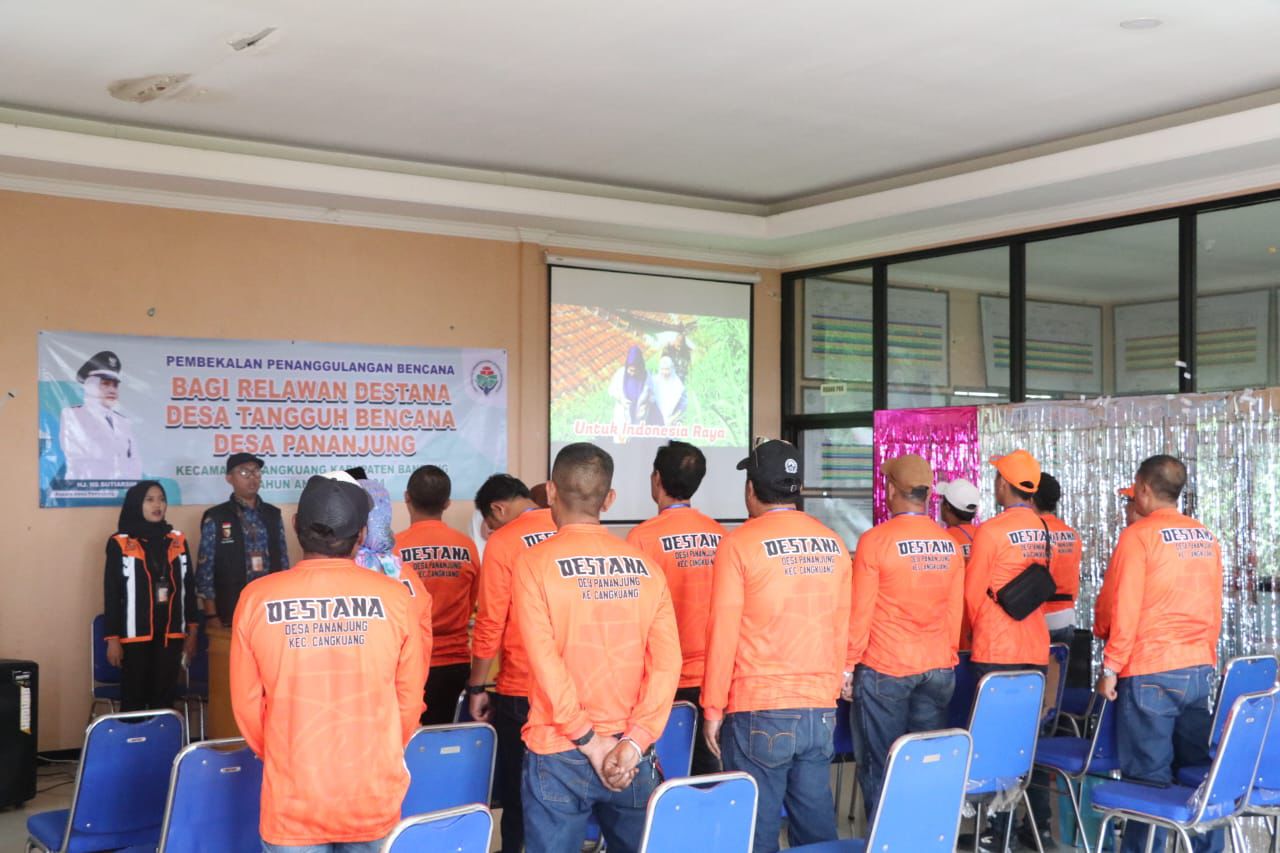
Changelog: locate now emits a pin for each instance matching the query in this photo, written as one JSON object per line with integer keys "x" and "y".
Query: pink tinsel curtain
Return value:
{"x": 948, "y": 438}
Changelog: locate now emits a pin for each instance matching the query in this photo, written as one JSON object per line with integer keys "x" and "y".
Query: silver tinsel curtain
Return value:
{"x": 1230, "y": 443}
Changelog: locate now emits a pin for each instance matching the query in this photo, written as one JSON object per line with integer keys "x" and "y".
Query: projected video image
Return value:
{"x": 622, "y": 375}
{"x": 638, "y": 360}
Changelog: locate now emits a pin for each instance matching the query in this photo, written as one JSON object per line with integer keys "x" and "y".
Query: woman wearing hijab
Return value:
{"x": 669, "y": 392}
{"x": 149, "y": 600}
{"x": 632, "y": 392}
{"x": 377, "y": 552}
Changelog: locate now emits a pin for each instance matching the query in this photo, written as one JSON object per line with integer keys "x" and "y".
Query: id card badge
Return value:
{"x": 256, "y": 564}
{"x": 162, "y": 592}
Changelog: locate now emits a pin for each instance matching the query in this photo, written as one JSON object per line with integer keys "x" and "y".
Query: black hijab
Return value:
{"x": 132, "y": 523}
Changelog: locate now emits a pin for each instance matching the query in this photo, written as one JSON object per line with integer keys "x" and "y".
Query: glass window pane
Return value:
{"x": 1102, "y": 313}
{"x": 849, "y": 517}
{"x": 837, "y": 458}
{"x": 834, "y": 362}
{"x": 938, "y": 342}
{"x": 1237, "y": 271}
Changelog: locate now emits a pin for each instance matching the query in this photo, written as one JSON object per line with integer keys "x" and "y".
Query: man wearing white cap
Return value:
{"x": 96, "y": 439}
{"x": 957, "y": 509}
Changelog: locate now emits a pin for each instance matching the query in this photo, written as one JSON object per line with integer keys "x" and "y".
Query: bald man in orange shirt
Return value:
{"x": 776, "y": 646}
{"x": 1162, "y": 647}
{"x": 604, "y": 657}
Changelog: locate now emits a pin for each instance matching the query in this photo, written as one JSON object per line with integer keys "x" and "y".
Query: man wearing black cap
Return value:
{"x": 776, "y": 643}
{"x": 96, "y": 439}
{"x": 240, "y": 540}
{"x": 327, "y": 667}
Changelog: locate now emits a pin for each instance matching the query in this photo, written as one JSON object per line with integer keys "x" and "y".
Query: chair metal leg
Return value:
{"x": 1151, "y": 838}
{"x": 1026, "y": 798}
{"x": 977, "y": 829}
{"x": 1007, "y": 844}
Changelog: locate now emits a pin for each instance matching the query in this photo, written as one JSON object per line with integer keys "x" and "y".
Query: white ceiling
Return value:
{"x": 749, "y": 101}
{"x": 685, "y": 129}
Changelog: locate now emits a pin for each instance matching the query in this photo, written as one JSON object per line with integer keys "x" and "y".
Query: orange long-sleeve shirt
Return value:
{"x": 779, "y": 627}
{"x": 1067, "y": 552}
{"x": 446, "y": 563}
{"x": 596, "y": 617}
{"x": 495, "y": 629}
{"x": 962, "y": 535}
{"x": 419, "y": 610}
{"x": 908, "y": 598}
{"x": 683, "y": 542}
{"x": 1102, "y": 608}
{"x": 1002, "y": 548}
{"x": 1167, "y": 610}
{"x": 326, "y": 686}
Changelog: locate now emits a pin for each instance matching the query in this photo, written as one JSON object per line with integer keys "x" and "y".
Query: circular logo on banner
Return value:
{"x": 486, "y": 377}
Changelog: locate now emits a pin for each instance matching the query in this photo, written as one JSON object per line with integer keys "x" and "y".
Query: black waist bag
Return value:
{"x": 1033, "y": 586}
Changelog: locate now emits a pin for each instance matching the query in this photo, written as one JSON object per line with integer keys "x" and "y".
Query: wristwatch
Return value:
{"x": 476, "y": 689}
{"x": 1108, "y": 673}
{"x": 585, "y": 739}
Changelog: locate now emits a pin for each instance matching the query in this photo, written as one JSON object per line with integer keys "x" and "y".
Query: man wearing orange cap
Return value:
{"x": 904, "y": 627}
{"x": 1004, "y": 547}
{"x": 1162, "y": 647}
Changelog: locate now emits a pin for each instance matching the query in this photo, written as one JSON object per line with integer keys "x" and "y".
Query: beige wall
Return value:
{"x": 94, "y": 266}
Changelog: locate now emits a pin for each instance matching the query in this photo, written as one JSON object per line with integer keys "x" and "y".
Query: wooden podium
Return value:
{"x": 221, "y": 722}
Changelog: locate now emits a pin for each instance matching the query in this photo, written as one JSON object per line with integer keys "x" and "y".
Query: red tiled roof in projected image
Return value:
{"x": 590, "y": 344}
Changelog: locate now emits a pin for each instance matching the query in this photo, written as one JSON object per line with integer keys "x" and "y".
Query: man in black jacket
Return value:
{"x": 240, "y": 540}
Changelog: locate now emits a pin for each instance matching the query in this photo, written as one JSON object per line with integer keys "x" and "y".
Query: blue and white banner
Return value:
{"x": 115, "y": 409}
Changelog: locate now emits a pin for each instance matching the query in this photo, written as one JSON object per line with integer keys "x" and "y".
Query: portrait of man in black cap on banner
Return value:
{"x": 96, "y": 438}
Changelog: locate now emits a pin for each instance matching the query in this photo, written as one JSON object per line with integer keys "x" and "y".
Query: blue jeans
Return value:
{"x": 1162, "y": 724}
{"x": 885, "y": 708}
{"x": 335, "y": 847}
{"x": 562, "y": 790}
{"x": 788, "y": 752}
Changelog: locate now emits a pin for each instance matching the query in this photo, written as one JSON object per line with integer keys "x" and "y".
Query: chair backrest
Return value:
{"x": 462, "y": 710}
{"x": 461, "y": 753}
{"x": 710, "y": 814}
{"x": 214, "y": 797}
{"x": 1251, "y": 674}
{"x": 1105, "y": 744}
{"x": 1055, "y": 681}
{"x": 123, "y": 779}
{"x": 675, "y": 746}
{"x": 1005, "y": 725}
{"x": 962, "y": 697}
{"x": 842, "y": 738}
{"x": 103, "y": 672}
{"x": 932, "y": 768}
{"x": 466, "y": 829}
{"x": 1268, "y": 776}
{"x": 1231, "y": 775}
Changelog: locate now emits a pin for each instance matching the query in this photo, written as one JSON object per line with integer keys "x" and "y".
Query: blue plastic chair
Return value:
{"x": 449, "y": 766}
{"x": 962, "y": 697}
{"x": 195, "y": 690}
{"x": 1073, "y": 758}
{"x": 462, "y": 710}
{"x": 1218, "y": 801}
{"x": 1059, "y": 663}
{"x": 673, "y": 749}
{"x": 1005, "y": 727}
{"x": 1251, "y": 674}
{"x": 105, "y": 681}
{"x": 214, "y": 797}
{"x": 924, "y": 791}
{"x": 121, "y": 786}
{"x": 466, "y": 829}
{"x": 1264, "y": 799}
{"x": 715, "y": 813}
